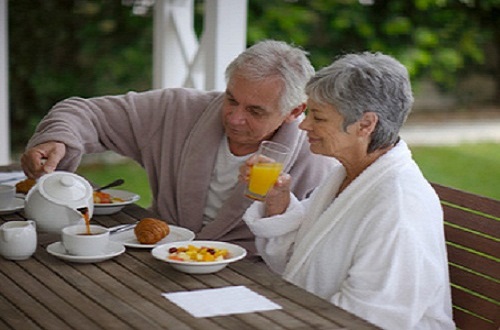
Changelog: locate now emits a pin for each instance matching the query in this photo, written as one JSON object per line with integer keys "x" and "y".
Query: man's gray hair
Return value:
{"x": 366, "y": 82}
{"x": 276, "y": 59}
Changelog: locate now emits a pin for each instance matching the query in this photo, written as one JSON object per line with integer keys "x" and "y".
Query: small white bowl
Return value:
{"x": 110, "y": 208}
{"x": 199, "y": 267}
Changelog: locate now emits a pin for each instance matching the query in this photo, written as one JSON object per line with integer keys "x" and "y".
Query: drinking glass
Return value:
{"x": 263, "y": 174}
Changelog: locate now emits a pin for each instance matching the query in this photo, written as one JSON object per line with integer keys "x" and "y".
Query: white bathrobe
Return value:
{"x": 377, "y": 250}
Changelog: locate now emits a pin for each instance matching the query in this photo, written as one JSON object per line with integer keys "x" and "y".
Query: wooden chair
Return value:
{"x": 472, "y": 229}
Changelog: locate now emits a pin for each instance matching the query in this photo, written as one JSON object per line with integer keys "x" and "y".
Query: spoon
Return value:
{"x": 116, "y": 183}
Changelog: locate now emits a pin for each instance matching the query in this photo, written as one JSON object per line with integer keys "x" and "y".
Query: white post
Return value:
{"x": 174, "y": 42}
{"x": 4, "y": 86}
{"x": 225, "y": 33}
{"x": 179, "y": 60}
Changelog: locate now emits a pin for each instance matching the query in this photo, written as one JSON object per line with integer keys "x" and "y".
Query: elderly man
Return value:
{"x": 191, "y": 143}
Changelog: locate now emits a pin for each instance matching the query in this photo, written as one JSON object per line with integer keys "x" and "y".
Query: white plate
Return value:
{"x": 110, "y": 208}
{"x": 236, "y": 253}
{"x": 177, "y": 234}
{"x": 57, "y": 249}
{"x": 17, "y": 205}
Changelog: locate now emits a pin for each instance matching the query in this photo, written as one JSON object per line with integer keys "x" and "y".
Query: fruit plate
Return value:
{"x": 236, "y": 253}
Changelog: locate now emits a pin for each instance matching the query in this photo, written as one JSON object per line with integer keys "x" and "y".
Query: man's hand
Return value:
{"x": 42, "y": 159}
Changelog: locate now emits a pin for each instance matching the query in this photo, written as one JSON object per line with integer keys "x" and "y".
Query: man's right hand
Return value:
{"x": 42, "y": 159}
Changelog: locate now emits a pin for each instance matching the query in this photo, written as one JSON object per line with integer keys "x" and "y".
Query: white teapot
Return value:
{"x": 18, "y": 239}
{"x": 59, "y": 199}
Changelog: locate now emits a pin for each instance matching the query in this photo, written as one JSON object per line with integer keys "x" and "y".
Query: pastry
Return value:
{"x": 151, "y": 231}
{"x": 22, "y": 187}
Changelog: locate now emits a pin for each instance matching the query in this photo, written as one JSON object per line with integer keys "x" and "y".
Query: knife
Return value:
{"x": 121, "y": 228}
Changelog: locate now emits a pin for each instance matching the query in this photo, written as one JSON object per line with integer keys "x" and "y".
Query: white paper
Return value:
{"x": 221, "y": 301}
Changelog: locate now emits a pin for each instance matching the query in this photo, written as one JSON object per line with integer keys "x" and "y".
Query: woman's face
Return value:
{"x": 323, "y": 124}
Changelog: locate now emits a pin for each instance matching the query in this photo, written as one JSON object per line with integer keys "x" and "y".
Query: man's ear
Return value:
{"x": 367, "y": 123}
{"x": 295, "y": 113}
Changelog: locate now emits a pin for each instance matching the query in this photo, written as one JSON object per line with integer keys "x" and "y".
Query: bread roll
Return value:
{"x": 151, "y": 231}
{"x": 23, "y": 187}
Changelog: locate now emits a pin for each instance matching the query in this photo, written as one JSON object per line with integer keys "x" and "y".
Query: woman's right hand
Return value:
{"x": 42, "y": 158}
{"x": 278, "y": 197}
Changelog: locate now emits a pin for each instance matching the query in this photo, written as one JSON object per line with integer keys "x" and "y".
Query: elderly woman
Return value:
{"x": 370, "y": 238}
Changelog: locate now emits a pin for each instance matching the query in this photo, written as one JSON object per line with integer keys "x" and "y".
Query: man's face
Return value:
{"x": 251, "y": 113}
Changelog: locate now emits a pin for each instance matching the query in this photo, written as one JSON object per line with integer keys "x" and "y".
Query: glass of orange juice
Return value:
{"x": 263, "y": 175}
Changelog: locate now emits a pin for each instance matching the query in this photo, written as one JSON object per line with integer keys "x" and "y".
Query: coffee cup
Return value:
{"x": 7, "y": 195}
{"x": 78, "y": 242}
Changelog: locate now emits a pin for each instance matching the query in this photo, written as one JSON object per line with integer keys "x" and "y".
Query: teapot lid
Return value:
{"x": 64, "y": 187}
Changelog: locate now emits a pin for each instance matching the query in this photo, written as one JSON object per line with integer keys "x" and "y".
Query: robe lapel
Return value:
{"x": 196, "y": 165}
{"x": 229, "y": 215}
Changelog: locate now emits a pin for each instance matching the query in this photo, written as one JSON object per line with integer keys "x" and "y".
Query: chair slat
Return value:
{"x": 474, "y": 304}
{"x": 472, "y": 221}
{"x": 473, "y": 261}
{"x": 468, "y": 200}
{"x": 473, "y": 282}
{"x": 469, "y": 322}
{"x": 475, "y": 242}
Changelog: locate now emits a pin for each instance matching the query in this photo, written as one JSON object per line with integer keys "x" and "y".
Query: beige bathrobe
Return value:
{"x": 174, "y": 134}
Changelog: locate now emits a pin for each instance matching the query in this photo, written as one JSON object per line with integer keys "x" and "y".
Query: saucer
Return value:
{"x": 127, "y": 237}
{"x": 57, "y": 249}
{"x": 17, "y": 205}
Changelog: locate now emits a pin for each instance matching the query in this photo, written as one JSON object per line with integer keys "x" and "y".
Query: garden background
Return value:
{"x": 63, "y": 48}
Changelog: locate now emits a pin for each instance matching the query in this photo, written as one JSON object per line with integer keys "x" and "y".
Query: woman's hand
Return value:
{"x": 278, "y": 197}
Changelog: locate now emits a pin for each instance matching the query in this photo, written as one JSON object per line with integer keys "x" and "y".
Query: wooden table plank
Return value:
{"x": 77, "y": 293}
{"x": 32, "y": 309}
{"x": 13, "y": 318}
{"x": 28, "y": 282}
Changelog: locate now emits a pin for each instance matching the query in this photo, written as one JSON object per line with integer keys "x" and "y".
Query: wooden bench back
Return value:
{"x": 472, "y": 229}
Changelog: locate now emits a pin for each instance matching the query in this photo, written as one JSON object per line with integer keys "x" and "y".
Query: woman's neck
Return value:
{"x": 355, "y": 167}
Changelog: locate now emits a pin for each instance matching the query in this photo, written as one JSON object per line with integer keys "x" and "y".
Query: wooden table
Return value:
{"x": 45, "y": 292}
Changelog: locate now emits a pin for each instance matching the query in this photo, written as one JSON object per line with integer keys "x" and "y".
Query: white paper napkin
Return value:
{"x": 222, "y": 301}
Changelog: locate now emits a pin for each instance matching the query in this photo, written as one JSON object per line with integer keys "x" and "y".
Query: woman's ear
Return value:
{"x": 367, "y": 123}
{"x": 295, "y": 113}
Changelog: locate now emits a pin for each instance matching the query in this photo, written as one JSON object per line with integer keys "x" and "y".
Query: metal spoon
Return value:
{"x": 116, "y": 183}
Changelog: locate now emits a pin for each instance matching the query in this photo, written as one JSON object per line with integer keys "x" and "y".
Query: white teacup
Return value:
{"x": 77, "y": 242}
{"x": 7, "y": 195}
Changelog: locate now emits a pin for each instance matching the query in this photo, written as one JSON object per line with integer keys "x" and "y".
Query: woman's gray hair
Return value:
{"x": 271, "y": 59}
{"x": 366, "y": 82}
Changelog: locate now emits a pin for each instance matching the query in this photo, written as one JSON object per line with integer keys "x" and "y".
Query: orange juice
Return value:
{"x": 262, "y": 178}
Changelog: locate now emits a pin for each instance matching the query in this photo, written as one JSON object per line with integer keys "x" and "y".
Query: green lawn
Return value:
{"x": 471, "y": 167}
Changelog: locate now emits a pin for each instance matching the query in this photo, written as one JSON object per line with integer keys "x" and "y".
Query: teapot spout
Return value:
{"x": 83, "y": 210}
